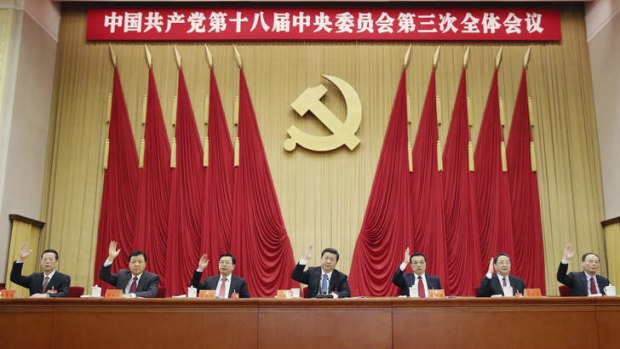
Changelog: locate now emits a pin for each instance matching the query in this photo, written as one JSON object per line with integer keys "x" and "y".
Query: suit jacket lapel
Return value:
{"x": 38, "y": 282}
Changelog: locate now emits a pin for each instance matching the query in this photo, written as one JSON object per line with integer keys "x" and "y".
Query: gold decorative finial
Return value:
{"x": 466, "y": 58}
{"x": 149, "y": 58}
{"x": 238, "y": 57}
{"x": 498, "y": 58}
{"x": 526, "y": 58}
{"x": 178, "y": 57}
{"x": 112, "y": 55}
{"x": 407, "y": 58}
{"x": 209, "y": 56}
{"x": 436, "y": 57}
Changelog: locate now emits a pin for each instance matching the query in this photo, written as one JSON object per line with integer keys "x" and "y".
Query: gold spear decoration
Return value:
{"x": 205, "y": 157}
{"x": 236, "y": 107}
{"x": 106, "y": 147}
{"x": 438, "y": 111}
{"x": 470, "y": 145}
{"x": 406, "y": 61}
{"x": 534, "y": 167}
{"x": 498, "y": 61}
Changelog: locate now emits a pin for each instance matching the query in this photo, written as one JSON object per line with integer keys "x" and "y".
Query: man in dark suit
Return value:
{"x": 421, "y": 281}
{"x": 324, "y": 281}
{"x": 49, "y": 283}
{"x": 586, "y": 282}
{"x": 500, "y": 283}
{"x": 226, "y": 285}
{"x": 135, "y": 282}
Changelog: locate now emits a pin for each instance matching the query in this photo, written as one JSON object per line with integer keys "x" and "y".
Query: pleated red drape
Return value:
{"x": 187, "y": 189}
{"x": 154, "y": 187}
{"x": 120, "y": 186}
{"x": 492, "y": 190}
{"x": 381, "y": 243}
{"x": 528, "y": 240}
{"x": 217, "y": 214}
{"x": 429, "y": 236}
{"x": 259, "y": 239}
{"x": 461, "y": 222}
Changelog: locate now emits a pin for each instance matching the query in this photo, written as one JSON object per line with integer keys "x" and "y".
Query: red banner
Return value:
{"x": 299, "y": 23}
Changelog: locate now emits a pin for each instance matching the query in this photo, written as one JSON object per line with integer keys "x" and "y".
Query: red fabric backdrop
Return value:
{"x": 185, "y": 216}
{"x": 382, "y": 240}
{"x": 259, "y": 239}
{"x": 429, "y": 236}
{"x": 120, "y": 186}
{"x": 461, "y": 222}
{"x": 528, "y": 239}
{"x": 492, "y": 190}
{"x": 217, "y": 214}
{"x": 154, "y": 187}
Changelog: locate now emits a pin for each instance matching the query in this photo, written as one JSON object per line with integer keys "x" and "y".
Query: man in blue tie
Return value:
{"x": 324, "y": 281}
{"x": 135, "y": 282}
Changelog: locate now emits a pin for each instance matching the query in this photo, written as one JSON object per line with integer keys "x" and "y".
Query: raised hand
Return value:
{"x": 203, "y": 262}
{"x": 491, "y": 268}
{"x": 308, "y": 253}
{"x": 24, "y": 252}
{"x": 407, "y": 255}
{"x": 112, "y": 251}
{"x": 569, "y": 251}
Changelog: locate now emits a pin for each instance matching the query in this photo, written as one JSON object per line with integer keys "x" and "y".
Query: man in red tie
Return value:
{"x": 584, "y": 283}
{"x": 226, "y": 285}
{"x": 501, "y": 283}
{"x": 419, "y": 280}
{"x": 135, "y": 282}
{"x": 49, "y": 283}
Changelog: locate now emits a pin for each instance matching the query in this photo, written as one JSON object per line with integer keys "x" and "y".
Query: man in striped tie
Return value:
{"x": 49, "y": 283}
{"x": 584, "y": 283}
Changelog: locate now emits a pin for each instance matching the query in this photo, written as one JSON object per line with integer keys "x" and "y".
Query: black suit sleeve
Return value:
{"x": 151, "y": 286}
{"x": 17, "y": 277}
{"x": 300, "y": 275}
{"x": 398, "y": 279}
{"x": 485, "y": 289}
{"x": 105, "y": 274}
{"x": 343, "y": 289}
{"x": 438, "y": 283}
{"x": 243, "y": 290}
{"x": 196, "y": 281}
{"x": 62, "y": 287}
{"x": 563, "y": 276}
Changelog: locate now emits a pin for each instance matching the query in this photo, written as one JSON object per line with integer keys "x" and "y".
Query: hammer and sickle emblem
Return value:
{"x": 343, "y": 133}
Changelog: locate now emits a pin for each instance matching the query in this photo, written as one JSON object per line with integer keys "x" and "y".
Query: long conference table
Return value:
{"x": 548, "y": 322}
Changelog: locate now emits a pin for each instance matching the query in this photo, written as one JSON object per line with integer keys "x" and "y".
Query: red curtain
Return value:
{"x": 217, "y": 214}
{"x": 492, "y": 190}
{"x": 381, "y": 243}
{"x": 528, "y": 241}
{"x": 184, "y": 224}
{"x": 429, "y": 235}
{"x": 461, "y": 222}
{"x": 259, "y": 239}
{"x": 120, "y": 186}
{"x": 154, "y": 187}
